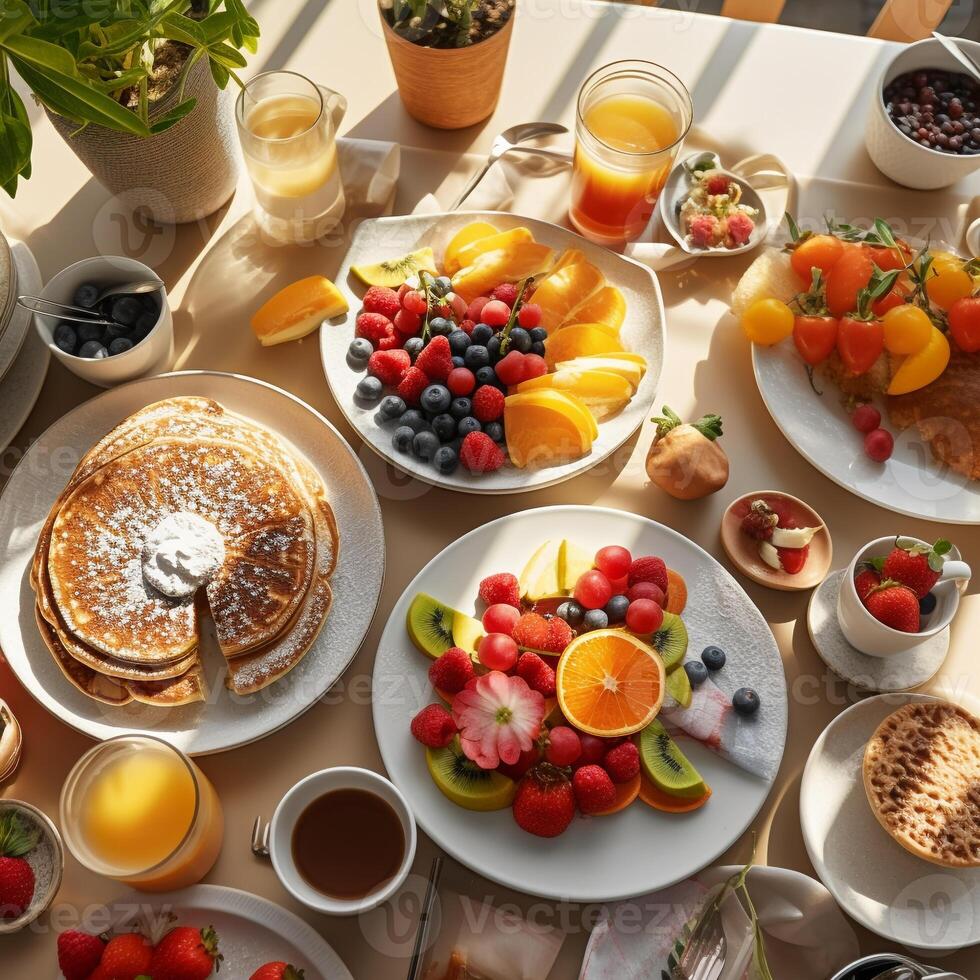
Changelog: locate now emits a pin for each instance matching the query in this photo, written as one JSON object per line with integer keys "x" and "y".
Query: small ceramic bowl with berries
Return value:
{"x": 135, "y": 333}
{"x": 32, "y": 860}
{"x": 898, "y": 592}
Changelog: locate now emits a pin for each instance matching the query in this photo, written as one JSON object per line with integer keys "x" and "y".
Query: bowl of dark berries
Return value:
{"x": 924, "y": 127}
{"x": 120, "y": 328}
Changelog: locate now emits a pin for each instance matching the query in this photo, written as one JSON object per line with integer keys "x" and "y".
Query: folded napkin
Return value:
{"x": 493, "y": 193}
{"x": 369, "y": 170}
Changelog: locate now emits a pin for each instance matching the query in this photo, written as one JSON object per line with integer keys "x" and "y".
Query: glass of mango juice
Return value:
{"x": 139, "y": 811}
{"x": 631, "y": 120}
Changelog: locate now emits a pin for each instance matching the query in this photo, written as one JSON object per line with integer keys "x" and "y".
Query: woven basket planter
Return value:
{"x": 182, "y": 174}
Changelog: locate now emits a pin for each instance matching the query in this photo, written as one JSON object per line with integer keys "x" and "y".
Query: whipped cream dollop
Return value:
{"x": 181, "y": 554}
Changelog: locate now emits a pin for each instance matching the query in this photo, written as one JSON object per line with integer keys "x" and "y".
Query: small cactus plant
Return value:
{"x": 446, "y": 23}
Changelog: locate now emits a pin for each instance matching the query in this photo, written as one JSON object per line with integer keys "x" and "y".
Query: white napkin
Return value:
{"x": 369, "y": 170}
{"x": 493, "y": 193}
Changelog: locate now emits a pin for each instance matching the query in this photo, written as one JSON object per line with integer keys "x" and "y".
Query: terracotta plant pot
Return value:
{"x": 449, "y": 88}
{"x": 184, "y": 173}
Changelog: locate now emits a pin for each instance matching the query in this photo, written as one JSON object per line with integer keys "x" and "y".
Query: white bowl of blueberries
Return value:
{"x": 139, "y": 337}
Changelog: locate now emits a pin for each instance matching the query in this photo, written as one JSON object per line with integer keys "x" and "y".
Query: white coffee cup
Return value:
{"x": 867, "y": 634}
{"x": 290, "y": 809}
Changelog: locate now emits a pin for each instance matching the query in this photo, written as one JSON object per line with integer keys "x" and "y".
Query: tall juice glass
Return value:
{"x": 631, "y": 120}
{"x": 140, "y": 811}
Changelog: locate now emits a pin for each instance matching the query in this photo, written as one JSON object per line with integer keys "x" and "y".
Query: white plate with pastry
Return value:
{"x": 174, "y": 555}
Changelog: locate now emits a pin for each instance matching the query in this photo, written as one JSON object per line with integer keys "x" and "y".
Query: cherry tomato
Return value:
{"x": 947, "y": 280}
{"x": 860, "y": 343}
{"x": 964, "y": 323}
{"x": 850, "y": 274}
{"x": 896, "y": 296}
{"x": 922, "y": 368}
{"x": 819, "y": 252}
{"x": 907, "y": 329}
{"x": 890, "y": 258}
{"x": 815, "y": 337}
{"x": 767, "y": 322}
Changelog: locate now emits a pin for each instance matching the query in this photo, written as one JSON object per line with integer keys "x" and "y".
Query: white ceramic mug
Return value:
{"x": 866, "y": 634}
{"x": 291, "y": 808}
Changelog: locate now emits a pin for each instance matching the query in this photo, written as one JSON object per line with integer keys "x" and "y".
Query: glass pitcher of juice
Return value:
{"x": 287, "y": 125}
{"x": 631, "y": 120}
{"x": 138, "y": 810}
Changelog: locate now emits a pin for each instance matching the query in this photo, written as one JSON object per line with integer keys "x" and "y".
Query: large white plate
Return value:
{"x": 226, "y": 721}
{"x": 251, "y": 931}
{"x": 643, "y": 333}
{"x": 604, "y": 858}
{"x": 820, "y": 429}
{"x": 874, "y": 879}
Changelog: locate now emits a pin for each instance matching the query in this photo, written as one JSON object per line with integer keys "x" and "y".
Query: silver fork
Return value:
{"x": 260, "y": 838}
{"x": 705, "y": 951}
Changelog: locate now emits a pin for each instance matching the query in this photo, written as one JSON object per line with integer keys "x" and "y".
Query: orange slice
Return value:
{"x": 606, "y": 306}
{"x": 579, "y": 340}
{"x": 676, "y": 592}
{"x": 297, "y": 310}
{"x": 465, "y": 236}
{"x": 508, "y": 264}
{"x": 626, "y": 793}
{"x": 659, "y": 800}
{"x": 602, "y": 392}
{"x": 480, "y": 245}
{"x": 546, "y": 427}
{"x": 563, "y": 290}
{"x": 569, "y": 257}
{"x": 610, "y": 683}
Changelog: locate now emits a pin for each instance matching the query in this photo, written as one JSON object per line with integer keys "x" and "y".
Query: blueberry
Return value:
{"x": 444, "y": 426}
{"x": 360, "y": 350}
{"x": 369, "y": 388}
{"x": 493, "y": 348}
{"x": 446, "y": 459}
{"x": 89, "y": 331}
{"x": 745, "y": 701}
{"x": 414, "y": 419}
{"x": 93, "y": 349}
{"x": 86, "y": 295}
{"x": 926, "y": 604}
{"x": 120, "y": 345}
{"x": 425, "y": 445}
{"x": 402, "y": 439}
{"x": 487, "y": 376}
{"x": 713, "y": 657}
{"x": 697, "y": 673}
{"x": 116, "y": 330}
{"x": 126, "y": 310}
{"x": 520, "y": 340}
{"x": 65, "y": 338}
{"x": 595, "y": 619}
{"x": 616, "y": 608}
{"x": 571, "y": 612}
{"x": 459, "y": 340}
{"x": 414, "y": 347}
{"x": 439, "y": 326}
{"x": 436, "y": 399}
{"x": 441, "y": 285}
{"x": 538, "y": 348}
{"x": 477, "y": 356}
{"x": 539, "y": 335}
{"x": 460, "y": 408}
{"x": 481, "y": 333}
{"x": 458, "y": 361}
{"x": 495, "y": 430}
{"x": 391, "y": 407}
{"x": 145, "y": 323}
{"x": 465, "y": 426}
{"x": 149, "y": 303}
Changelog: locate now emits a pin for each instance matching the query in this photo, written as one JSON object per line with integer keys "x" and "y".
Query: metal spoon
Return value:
{"x": 81, "y": 314}
{"x": 897, "y": 973}
{"x": 510, "y": 141}
{"x": 959, "y": 54}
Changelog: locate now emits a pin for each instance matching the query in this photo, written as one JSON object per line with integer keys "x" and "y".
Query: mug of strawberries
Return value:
{"x": 898, "y": 592}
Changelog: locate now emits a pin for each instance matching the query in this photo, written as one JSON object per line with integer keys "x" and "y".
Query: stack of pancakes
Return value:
{"x": 118, "y": 639}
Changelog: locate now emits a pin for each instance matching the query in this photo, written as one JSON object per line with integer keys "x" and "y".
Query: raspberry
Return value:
{"x": 381, "y": 299}
{"x": 407, "y": 323}
{"x": 480, "y": 454}
{"x": 433, "y": 726}
{"x": 539, "y": 676}
{"x": 475, "y": 308}
{"x": 388, "y": 366}
{"x": 496, "y": 313}
{"x": 452, "y": 671}
{"x": 392, "y": 342}
{"x": 760, "y": 521}
{"x": 488, "y": 403}
{"x": 559, "y": 635}
{"x": 502, "y": 587}
{"x": 717, "y": 184}
{"x": 529, "y": 315}
{"x": 510, "y": 369}
{"x": 506, "y": 292}
{"x": 436, "y": 359}
{"x": 411, "y": 386}
{"x": 467, "y": 326}
{"x": 414, "y": 302}
{"x": 373, "y": 327}
{"x": 532, "y": 630}
{"x": 704, "y": 229}
{"x": 649, "y": 569}
{"x": 740, "y": 227}
{"x": 594, "y": 790}
{"x": 622, "y": 763}
{"x": 461, "y": 381}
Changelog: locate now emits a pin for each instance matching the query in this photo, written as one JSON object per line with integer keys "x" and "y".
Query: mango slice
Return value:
{"x": 297, "y": 310}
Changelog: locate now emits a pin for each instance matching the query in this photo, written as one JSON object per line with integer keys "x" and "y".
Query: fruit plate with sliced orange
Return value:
{"x": 612, "y": 683}
{"x": 594, "y": 378}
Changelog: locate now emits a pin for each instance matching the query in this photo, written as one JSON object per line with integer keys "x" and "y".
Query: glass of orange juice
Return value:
{"x": 632, "y": 119}
{"x": 138, "y": 810}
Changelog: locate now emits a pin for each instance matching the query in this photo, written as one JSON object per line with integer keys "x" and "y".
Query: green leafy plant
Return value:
{"x": 444, "y": 23}
{"x": 92, "y": 61}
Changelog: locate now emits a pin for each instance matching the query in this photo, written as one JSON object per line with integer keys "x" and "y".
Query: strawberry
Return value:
{"x": 125, "y": 957}
{"x": 433, "y": 726}
{"x": 479, "y": 453}
{"x": 411, "y": 386}
{"x": 760, "y": 521}
{"x": 17, "y": 838}
{"x": 594, "y": 790}
{"x": 389, "y": 366}
{"x": 894, "y": 605}
{"x": 452, "y": 671}
{"x": 622, "y": 762}
{"x": 373, "y": 326}
{"x": 916, "y": 565}
{"x": 559, "y": 635}
{"x": 866, "y": 580}
{"x": 185, "y": 953}
{"x": 277, "y": 971}
{"x": 502, "y": 587}
{"x": 79, "y": 954}
{"x": 532, "y": 630}
{"x": 381, "y": 299}
{"x": 488, "y": 403}
{"x": 793, "y": 559}
{"x": 649, "y": 569}
{"x": 436, "y": 359}
{"x": 544, "y": 803}
{"x": 539, "y": 676}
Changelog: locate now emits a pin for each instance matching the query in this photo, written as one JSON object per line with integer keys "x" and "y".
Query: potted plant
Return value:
{"x": 137, "y": 88}
{"x": 448, "y": 56}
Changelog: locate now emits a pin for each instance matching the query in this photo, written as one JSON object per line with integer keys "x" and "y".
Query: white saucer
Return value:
{"x": 899, "y": 672}
{"x": 27, "y": 281}
{"x": 21, "y": 387}
{"x": 876, "y": 881}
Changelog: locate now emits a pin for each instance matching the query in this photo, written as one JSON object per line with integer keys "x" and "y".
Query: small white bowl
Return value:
{"x": 866, "y": 634}
{"x": 291, "y": 808}
{"x": 152, "y": 355}
{"x": 47, "y": 861}
{"x": 893, "y": 153}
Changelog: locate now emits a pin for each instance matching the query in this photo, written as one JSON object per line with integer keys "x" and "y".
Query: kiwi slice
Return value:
{"x": 670, "y": 641}
{"x": 393, "y": 272}
{"x": 666, "y": 766}
{"x": 679, "y": 686}
{"x": 434, "y": 628}
{"x": 465, "y": 783}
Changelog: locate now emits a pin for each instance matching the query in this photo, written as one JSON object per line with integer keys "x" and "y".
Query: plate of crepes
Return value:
{"x": 890, "y": 814}
{"x": 866, "y": 350}
{"x": 492, "y": 353}
{"x": 579, "y": 703}
{"x": 175, "y": 553}
{"x": 239, "y": 935}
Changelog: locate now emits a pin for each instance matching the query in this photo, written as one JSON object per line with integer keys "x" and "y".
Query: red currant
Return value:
{"x": 501, "y": 618}
{"x": 593, "y": 590}
{"x": 406, "y": 323}
{"x": 475, "y": 308}
{"x": 461, "y": 381}
{"x": 495, "y": 314}
{"x": 564, "y": 746}
{"x": 878, "y": 444}
{"x": 534, "y": 366}
{"x": 510, "y": 370}
{"x": 592, "y": 748}
{"x": 458, "y": 305}
{"x": 620, "y": 585}
{"x": 866, "y": 418}
{"x": 414, "y": 302}
{"x": 402, "y": 290}
{"x": 497, "y": 651}
{"x": 646, "y": 590}
{"x": 529, "y": 315}
{"x": 644, "y": 616}
{"x": 613, "y": 560}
